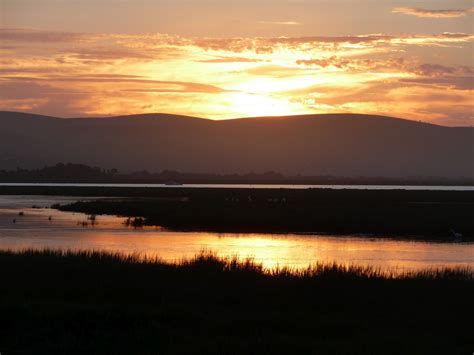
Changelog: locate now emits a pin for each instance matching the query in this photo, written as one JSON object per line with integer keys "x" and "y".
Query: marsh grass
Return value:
{"x": 209, "y": 261}
{"x": 94, "y": 302}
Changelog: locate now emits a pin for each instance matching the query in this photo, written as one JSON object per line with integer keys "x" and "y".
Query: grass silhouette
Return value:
{"x": 93, "y": 302}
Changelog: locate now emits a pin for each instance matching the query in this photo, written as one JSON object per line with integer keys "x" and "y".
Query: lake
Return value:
{"x": 47, "y": 228}
{"x": 259, "y": 186}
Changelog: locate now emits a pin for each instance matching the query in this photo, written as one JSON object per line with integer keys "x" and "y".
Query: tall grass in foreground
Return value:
{"x": 209, "y": 262}
{"x": 94, "y": 302}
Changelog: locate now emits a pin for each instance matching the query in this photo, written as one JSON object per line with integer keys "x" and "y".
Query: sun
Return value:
{"x": 266, "y": 96}
{"x": 244, "y": 104}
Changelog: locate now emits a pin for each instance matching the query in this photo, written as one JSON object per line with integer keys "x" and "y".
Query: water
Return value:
{"x": 260, "y": 186}
{"x": 65, "y": 231}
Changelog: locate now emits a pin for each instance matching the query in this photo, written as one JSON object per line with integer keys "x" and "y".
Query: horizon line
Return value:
{"x": 231, "y": 119}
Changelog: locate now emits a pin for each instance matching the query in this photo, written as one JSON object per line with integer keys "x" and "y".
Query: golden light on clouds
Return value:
{"x": 443, "y": 13}
{"x": 74, "y": 74}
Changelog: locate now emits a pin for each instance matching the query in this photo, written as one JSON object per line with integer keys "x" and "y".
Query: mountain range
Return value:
{"x": 350, "y": 145}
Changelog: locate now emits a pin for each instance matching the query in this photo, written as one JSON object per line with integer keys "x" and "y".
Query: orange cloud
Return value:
{"x": 34, "y": 35}
{"x": 420, "y": 12}
{"x": 231, "y": 60}
{"x": 69, "y": 74}
{"x": 280, "y": 23}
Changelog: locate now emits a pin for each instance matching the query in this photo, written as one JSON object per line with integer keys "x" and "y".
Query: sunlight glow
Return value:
{"x": 74, "y": 74}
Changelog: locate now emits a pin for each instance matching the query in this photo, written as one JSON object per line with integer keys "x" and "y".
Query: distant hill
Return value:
{"x": 334, "y": 144}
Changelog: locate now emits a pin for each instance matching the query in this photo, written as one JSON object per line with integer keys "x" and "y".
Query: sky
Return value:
{"x": 239, "y": 58}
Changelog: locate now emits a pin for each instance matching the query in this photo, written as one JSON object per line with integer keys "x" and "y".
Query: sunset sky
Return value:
{"x": 236, "y": 58}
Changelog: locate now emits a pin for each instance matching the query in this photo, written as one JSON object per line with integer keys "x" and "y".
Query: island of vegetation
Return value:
{"x": 428, "y": 215}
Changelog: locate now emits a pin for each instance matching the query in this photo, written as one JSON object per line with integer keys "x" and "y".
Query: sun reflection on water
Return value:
{"x": 34, "y": 229}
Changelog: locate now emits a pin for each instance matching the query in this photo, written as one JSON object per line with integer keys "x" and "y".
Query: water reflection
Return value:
{"x": 259, "y": 186}
{"x": 46, "y": 228}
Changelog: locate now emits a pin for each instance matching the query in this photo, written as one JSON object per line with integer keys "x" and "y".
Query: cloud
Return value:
{"x": 20, "y": 90}
{"x": 34, "y": 35}
{"x": 69, "y": 74}
{"x": 309, "y": 43}
{"x": 74, "y": 97}
{"x": 268, "y": 45}
{"x": 323, "y": 62}
{"x": 231, "y": 60}
{"x": 399, "y": 98}
{"x": 280, "y": 23}
{"x": 430, "y": 69}
{"x": 179, "y": 86}
{"x": 110, "y": 53}
{"x": 355, "y": 64}
{"x": 456, "y": 82}
{"x": 31, "y": 70}
{"x": 90, "y": 46}
{"x": 146, "y": 85}
{"x": 420, "y": 12}
{"x": 43, "y": 98}
{"x": 457, "y": 77}
{"x": 330, "y": 39}
{"x": 276, "y": 71}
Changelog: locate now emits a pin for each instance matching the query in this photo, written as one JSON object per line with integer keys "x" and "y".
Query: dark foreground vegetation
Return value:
{"x": 96, "y": 303}
{"x": 406, "y": 214}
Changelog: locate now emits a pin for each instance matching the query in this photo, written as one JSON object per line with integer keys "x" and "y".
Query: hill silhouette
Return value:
{"x": 330, "y": 144}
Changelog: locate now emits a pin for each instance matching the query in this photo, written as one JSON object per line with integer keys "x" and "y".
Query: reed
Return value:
{"x": 95, "y": 302}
